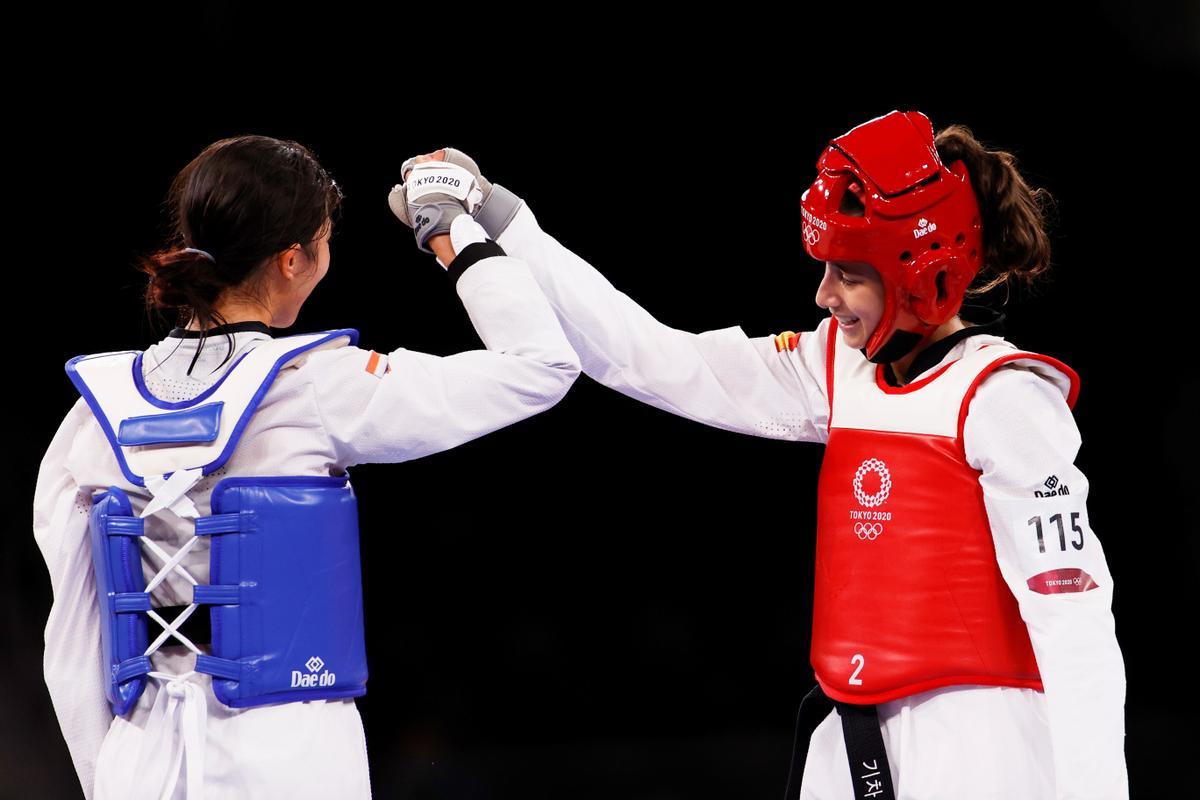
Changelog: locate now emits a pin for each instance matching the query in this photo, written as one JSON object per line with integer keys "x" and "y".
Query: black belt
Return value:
{"x": 197, "y": 627}
{"x": 864, "y": 746}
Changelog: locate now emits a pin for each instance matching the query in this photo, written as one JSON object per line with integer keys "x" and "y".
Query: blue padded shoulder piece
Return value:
{"x": 154, "y": 437}
{"x": 285, "y": 590}
{"x": 200, "y": 424}
{"x": 121, "y": 590}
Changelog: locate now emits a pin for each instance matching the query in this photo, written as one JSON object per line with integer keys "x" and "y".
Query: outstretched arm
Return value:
{"x": 722, "y": 378}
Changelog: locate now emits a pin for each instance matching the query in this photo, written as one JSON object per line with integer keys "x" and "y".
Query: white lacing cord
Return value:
{"x": 171, "y": 564}
{"x": 180, "y": 710}
{"x": 179, "y": 715}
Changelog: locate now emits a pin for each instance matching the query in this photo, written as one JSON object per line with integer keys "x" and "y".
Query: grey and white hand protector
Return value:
{"x": 498, "y": 205}
{"x": 433, "y": 194}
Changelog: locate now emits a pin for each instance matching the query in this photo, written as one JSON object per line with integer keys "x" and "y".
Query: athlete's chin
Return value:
{"x": 855, "y": 339}
{"x": 855, "y": 335}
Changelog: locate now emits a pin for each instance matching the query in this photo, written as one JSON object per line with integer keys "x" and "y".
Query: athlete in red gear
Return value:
{"x": 962, "y": 611}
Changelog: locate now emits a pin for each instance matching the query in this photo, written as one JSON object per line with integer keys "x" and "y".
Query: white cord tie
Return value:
{"x": 179, "y": 718}
{"x": 179, "y": 715}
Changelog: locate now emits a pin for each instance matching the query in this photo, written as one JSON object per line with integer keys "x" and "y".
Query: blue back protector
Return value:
{"x": 285, "y": 588}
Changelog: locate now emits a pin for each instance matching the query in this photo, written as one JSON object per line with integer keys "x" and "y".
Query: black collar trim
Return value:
{"x": 992, "y": 323}
{"x": 232, "y": 327}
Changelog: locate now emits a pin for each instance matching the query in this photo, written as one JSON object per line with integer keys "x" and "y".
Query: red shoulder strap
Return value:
{"x": 830, "y": 349}
{"x": 1072, "y": 394}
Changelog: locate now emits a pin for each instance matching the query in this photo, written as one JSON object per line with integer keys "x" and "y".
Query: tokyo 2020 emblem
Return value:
{"x": 869, "y": 526}
{"x": 885, "y": 483}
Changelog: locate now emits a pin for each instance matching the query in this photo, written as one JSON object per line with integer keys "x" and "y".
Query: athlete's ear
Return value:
{"x": 288, "y": 261}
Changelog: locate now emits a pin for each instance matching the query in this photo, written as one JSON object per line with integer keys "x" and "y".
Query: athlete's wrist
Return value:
{"x": 442, "y": 248}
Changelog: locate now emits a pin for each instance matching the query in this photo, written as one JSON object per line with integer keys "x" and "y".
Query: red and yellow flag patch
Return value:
{"x": 786, "y": 340}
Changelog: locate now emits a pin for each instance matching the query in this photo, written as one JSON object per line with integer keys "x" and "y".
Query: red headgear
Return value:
{"x": 919, "y": 229}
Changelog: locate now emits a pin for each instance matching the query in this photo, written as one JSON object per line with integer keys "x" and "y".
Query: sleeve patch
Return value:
{"x": 1061, "y": 581}
{"x": 786, "y": 341}
{"x": 377, "y": 364}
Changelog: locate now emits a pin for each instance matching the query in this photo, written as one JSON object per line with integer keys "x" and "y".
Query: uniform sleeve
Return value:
{"x": 73, "y": 656}
{"x": 406, "y": 404}
{"x": 1020, "y": 434}
{"x": 722, "y": 378}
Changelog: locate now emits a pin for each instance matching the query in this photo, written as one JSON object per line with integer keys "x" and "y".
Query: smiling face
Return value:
{"x": 853, "y": 292}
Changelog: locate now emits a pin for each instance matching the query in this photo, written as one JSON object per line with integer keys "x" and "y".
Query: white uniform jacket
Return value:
{"x": 325, "y": 411}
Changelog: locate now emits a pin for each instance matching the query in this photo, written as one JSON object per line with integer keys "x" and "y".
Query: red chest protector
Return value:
{"x": 908, "y": 594}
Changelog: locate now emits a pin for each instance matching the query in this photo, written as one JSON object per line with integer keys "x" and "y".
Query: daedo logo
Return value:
{"x": 1054, "y": 488}
{"x": 313, "y": 665}
{"x": 924, "y": 226}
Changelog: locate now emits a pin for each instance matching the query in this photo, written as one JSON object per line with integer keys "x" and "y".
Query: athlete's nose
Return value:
{"x": 826, "y": 297}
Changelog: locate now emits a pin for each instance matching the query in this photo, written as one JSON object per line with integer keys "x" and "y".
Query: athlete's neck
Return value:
{"x": 235, "y": 312}
{"x": 900, "y": 366}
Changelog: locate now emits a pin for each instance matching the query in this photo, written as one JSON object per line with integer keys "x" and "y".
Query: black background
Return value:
{"x": 605, "y": 600}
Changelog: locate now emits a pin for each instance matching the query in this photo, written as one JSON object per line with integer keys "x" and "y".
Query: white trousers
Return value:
{"x": 980, "y": 742}
{"x": 313, "y": 749}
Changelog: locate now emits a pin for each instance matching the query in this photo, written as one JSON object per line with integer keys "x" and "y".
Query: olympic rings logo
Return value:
{"x": 868, "y": 530}
{"x": 811, "y": 235}
{"x": 885, "y": 483}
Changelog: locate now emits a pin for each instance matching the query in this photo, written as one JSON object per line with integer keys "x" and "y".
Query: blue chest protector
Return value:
{"x": 285, "y": 588}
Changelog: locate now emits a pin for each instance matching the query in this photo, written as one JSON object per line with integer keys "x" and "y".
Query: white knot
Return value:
{"x": 178, "y": 719}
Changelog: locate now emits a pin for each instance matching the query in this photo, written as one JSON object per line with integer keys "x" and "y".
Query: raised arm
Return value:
{"x": 721, "y": 378}
{"x": 406, "y": 404}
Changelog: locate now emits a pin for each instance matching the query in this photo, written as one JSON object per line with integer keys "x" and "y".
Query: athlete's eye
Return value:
{"x": 848, "y": 283}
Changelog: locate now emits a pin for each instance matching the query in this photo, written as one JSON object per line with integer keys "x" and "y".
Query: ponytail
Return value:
{"x": 1016, "y": 247}
{"x": 188, "y": 281}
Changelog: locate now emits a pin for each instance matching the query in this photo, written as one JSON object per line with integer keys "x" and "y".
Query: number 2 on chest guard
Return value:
{"x": 857, "y": 659}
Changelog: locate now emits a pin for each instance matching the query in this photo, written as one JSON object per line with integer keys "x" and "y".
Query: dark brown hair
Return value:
{"x": 242, "y": 200}
{"x": 1016, "y": 247}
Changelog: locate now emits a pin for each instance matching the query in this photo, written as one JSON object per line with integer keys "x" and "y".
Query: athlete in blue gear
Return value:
{"x": 209, "y": 473}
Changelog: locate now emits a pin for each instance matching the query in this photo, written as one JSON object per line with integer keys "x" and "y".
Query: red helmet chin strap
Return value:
{"x": 893, "y": 341}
